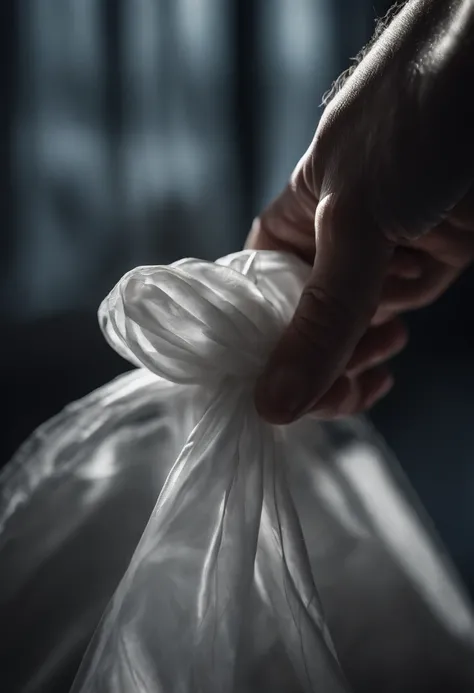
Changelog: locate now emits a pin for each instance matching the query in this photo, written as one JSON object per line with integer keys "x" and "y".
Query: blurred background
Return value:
{"x": 140, "y": 131}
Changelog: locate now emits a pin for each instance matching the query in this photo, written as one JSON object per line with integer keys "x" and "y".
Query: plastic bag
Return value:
{"x": 280, "y": 559}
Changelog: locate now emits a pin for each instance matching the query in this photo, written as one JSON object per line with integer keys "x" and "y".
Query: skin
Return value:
{"x": 382, "y": 206}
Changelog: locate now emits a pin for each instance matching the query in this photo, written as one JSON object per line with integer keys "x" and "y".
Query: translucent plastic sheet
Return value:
{"x": 287, "y": 559}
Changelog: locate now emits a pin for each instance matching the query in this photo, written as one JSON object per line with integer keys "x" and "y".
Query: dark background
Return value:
{"x": 140, "y": 132}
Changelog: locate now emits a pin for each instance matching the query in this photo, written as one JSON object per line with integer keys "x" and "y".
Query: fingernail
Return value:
{"x": 282, "y": 395}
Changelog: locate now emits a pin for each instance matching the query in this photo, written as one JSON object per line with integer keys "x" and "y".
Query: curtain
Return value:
{"x": 145, "y": 130}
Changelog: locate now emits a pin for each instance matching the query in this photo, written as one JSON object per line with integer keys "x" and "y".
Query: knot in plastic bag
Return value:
{"x": 201, "y": 322}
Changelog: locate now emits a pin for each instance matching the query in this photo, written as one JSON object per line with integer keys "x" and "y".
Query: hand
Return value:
{"x": 381, "y": 204}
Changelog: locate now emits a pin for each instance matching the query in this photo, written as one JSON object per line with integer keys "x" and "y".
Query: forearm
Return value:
{"x": 423, "y": 35}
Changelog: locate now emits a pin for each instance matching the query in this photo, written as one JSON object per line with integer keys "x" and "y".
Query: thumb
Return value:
{"x": 336, "y": 306}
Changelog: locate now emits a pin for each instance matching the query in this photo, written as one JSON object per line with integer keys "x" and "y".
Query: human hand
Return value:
{"x": 382, "y": 204}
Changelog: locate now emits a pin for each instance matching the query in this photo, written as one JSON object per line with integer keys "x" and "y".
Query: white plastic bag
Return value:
{"x": 283, "y": 559}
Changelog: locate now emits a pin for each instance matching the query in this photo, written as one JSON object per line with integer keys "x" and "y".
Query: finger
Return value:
{"x": 377, "y": 345}
{"x": 405, "y": 263}
{"x": 448, "y": 244}
{"x": 336, "y": 306}
{"x": 401, "y": 295}
{"x": 441, "y": 255}
{"x": 381, "y": 316}
{"x": 287, "y": 224}
{"x": 349, "y": 396}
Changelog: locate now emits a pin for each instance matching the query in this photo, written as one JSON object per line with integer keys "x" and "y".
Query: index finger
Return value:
{"x": 287, "y": 224}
